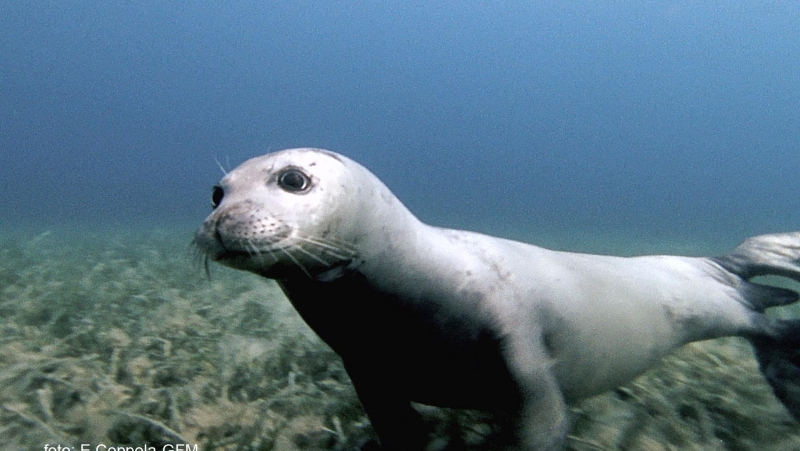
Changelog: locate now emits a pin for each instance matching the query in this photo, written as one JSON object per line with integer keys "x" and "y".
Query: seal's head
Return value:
{"x": 285, "y": 214}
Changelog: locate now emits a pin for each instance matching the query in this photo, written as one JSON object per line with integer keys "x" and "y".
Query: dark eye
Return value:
{"x": 217, "y": 193}
{"x": 293, "y": 181}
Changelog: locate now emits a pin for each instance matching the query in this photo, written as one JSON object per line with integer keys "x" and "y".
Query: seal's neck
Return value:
{"x": 385, "y": 228}
{"x": 396, "y": 249}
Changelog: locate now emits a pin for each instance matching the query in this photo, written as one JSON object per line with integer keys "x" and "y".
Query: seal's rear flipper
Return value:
{"x": 777, "y": 254}
{"x": 779, "y": 360}
{"x": 761, "y": 297}
{"x": 778, "y": 350}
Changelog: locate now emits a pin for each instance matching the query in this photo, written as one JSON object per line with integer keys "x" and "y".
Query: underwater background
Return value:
{"x": 620, "y": 127}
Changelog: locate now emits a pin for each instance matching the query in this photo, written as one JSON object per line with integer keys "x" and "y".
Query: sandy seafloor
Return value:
{"x": 118, "y": 338}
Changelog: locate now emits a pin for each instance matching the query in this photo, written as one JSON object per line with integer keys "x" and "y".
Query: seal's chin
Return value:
{"x": 275, "y": 263}
{"x": 270, "y": 266}
{"x": 213, "y": 250}
{"x": 234, "y": 259}
{"x": 226, "y": 256}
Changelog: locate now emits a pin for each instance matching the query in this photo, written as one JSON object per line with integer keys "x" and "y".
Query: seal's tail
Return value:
{"x": 778, "y": 349}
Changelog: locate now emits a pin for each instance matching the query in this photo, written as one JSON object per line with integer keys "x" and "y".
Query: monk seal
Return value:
{"x": 460, "y": 319}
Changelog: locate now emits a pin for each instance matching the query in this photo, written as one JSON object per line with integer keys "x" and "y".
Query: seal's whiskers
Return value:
{"x": 312, "y": 255}
{"x": 334, "y": 250}
{"x": 296, "y": 262}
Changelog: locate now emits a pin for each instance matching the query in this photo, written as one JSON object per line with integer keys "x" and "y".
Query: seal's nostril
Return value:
{"x": 217, "y": 193}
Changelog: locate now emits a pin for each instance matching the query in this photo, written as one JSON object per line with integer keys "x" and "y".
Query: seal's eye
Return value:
{"x": 217, "y": 193}
{"x": 293, "y": 181}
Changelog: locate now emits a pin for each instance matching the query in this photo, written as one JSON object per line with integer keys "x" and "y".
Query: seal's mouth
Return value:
{"x": 257, "y": 262}
{"x": 223, "y": 256}
{"x": 213, "y": 248}
{"x": 279, "y": 254}
{"x": 221, "y": 252}
{"x": 243, "y": 257}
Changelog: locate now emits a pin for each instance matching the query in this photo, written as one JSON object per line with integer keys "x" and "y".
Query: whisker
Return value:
{"x": 315, "y": 257}
{"x": 272, "y": 254}
{"x": 288, "y": 254}
{"x": 250, "y": 248}
{"x": 199, "y": 257}
{"x": 333, "y": 250}
{"x": 256, "y": 253}
{"x": 339, "y": 243}
{"x": 221, "y": 168}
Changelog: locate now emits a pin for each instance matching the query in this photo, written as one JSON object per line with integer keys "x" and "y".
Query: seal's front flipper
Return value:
{"x": 542, "y": 421}
{"x": 539, "y": 416}
{"x": 397, "y": 424}
{"x": 779, "y": 360}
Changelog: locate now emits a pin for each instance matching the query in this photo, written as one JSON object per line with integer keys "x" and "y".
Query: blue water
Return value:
{"x": 668, "y": 119}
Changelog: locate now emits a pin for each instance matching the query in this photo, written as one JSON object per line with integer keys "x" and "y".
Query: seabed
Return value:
{"x": 119, "y": 338}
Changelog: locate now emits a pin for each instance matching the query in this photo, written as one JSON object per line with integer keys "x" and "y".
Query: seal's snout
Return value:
{"x": 207, "y": 239}
{"x": 237, "y": 233}
{"x": 217, "y": 236}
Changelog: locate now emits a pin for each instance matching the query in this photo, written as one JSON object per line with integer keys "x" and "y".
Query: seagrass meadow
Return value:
{"x": 120, "y": 338}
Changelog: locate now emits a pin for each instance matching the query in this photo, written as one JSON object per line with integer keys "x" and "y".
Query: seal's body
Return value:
{"x": 460, "y": 319}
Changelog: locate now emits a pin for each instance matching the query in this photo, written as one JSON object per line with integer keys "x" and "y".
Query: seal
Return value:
{"x": 460, "y": 319}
